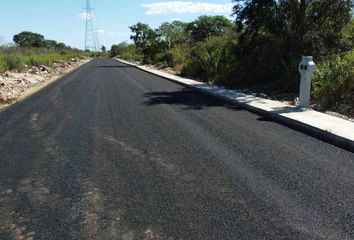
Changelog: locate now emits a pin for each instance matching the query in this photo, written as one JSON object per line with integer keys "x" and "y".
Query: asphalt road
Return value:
{"x": 112, "y": 152}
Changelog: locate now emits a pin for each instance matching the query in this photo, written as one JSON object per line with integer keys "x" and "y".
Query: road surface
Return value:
{"x": 112, "y": 152}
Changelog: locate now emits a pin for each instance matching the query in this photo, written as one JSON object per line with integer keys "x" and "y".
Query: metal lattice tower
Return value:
{"x": 90, "y": 35}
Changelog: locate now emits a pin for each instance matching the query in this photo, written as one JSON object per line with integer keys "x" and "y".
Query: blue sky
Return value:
{"x": 62, "y": 20}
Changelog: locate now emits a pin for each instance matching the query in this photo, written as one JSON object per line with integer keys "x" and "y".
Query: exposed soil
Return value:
{"x": 16, "y": 85}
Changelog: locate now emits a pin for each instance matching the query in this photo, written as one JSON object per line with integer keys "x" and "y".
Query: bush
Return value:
{"x": 210, "y": 60}
{"x": 131, "y": 53}
{"x": 14, "y": 58}
{"x": 12, "y": 62}
{"x": 333, "y": 83}
{"x": 176, "y": 57}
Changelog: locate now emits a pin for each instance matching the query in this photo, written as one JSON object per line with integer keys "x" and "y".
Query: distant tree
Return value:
{"x": 114, "y": 50}
{"x": 143, "y": 36}
{"x": 50, "y": 43}
{"x": 208, "y": 26}
{"x": 148, "y": 42}
{"x": 29, "y": 39}
{"x": 173, "y": 33}
{"x": 2, "y": 40}
{"x": 117, "y": 49}
{"x": 103, "y": 49}
{"x": 61, "y": 45}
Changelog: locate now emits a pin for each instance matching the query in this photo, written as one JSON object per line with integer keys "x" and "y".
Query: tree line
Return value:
{"x": 260, "y": 47}
{"x": 36, "y": 40}
{"x": 34, "y": 50}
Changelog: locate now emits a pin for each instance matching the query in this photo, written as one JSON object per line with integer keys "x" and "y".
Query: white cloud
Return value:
{"x": 84, "y": 15}
{"x": 179, "y": 7}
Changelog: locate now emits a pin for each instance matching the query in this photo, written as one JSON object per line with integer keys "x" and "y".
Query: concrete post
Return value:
{"x": 306, "y": 69}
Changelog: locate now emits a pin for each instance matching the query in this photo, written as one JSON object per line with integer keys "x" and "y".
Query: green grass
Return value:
{"x": 14, "y": 58}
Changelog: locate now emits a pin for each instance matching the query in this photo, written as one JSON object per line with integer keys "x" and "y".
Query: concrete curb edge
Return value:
{"x": 312, "y": 131}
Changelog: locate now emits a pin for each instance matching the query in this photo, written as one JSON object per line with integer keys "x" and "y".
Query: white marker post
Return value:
{"x": 306, "y": 69}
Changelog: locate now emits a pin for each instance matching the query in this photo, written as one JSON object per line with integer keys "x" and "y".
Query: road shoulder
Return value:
{"x": 334, "y": 130}
{"x": 42, "y": 84}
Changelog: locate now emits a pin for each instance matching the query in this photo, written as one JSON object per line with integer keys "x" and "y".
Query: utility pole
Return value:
{"x": 90, "y": 34}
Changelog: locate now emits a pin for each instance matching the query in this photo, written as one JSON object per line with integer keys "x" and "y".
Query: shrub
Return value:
{"x": 130, "y": 52}
{"x": 14, "y": 58}
{"x": 333, "y": 83}
{"x": 12, "y": 62}
{"x": 177, "y": 57}
{"x": 210, "y": 60}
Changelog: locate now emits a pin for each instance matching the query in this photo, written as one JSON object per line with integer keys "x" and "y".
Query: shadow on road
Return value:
{"x": 192, "y": 100}
{"x": 114, "y": 66}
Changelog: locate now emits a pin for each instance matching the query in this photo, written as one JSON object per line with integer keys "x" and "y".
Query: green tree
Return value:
{"x": 148, "y": 42}
{"x": 208, "y": 26}
{"x": 103, "y": 49}
{"x": 50, "y": 43}
{"x": 275, "y": 33}
{"x": 29, "y": 39}
{"x": 61, "y": 45}
{"x": 143, "y": 36}
{"x": 348, "y": 36}
{"x": 212, "y": 59}
{"x": 173, "y": 33}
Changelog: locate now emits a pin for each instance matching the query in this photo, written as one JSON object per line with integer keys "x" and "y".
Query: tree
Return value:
{"x": 148, "y": 42}
{"x": 117, "y": 49}
{"x": 103, "y": 49}
{"x": 143, "y": 36}
{"x": 211, "y": 59}
{"x": 208, "y": 26}
{"x": 173, "y": 33}
{"x": 61, "y": 45}
{"x": 306, "y": 24}
{"x": 348, "y": 36}
{"x": 2, "y": 40}
{"x": 50, "y": 43}
{"x": 29, "y": 39}
{"x": 275, "y": 33}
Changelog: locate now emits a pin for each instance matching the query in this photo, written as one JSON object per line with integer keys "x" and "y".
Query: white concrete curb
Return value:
{"x": 334, "y": 130}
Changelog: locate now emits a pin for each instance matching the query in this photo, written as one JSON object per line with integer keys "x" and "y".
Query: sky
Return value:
{"x": 64, "y": 20}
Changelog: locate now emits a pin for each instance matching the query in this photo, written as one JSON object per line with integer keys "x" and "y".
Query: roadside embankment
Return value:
{"x": 16, "y": 85}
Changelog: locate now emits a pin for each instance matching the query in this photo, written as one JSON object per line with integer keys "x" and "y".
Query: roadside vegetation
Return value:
{"x": 260, "y": 49}
{"x": 33, "y": 49}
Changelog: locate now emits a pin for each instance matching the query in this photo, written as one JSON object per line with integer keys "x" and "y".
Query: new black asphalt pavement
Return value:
{"x": 112, "y": 152}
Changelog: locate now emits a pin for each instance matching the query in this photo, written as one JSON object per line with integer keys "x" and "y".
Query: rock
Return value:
{"x": 58, "y": 62}
{"x": 75, "y": 60}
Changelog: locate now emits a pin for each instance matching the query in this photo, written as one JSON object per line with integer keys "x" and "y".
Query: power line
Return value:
{"x": 91, "y": 42}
